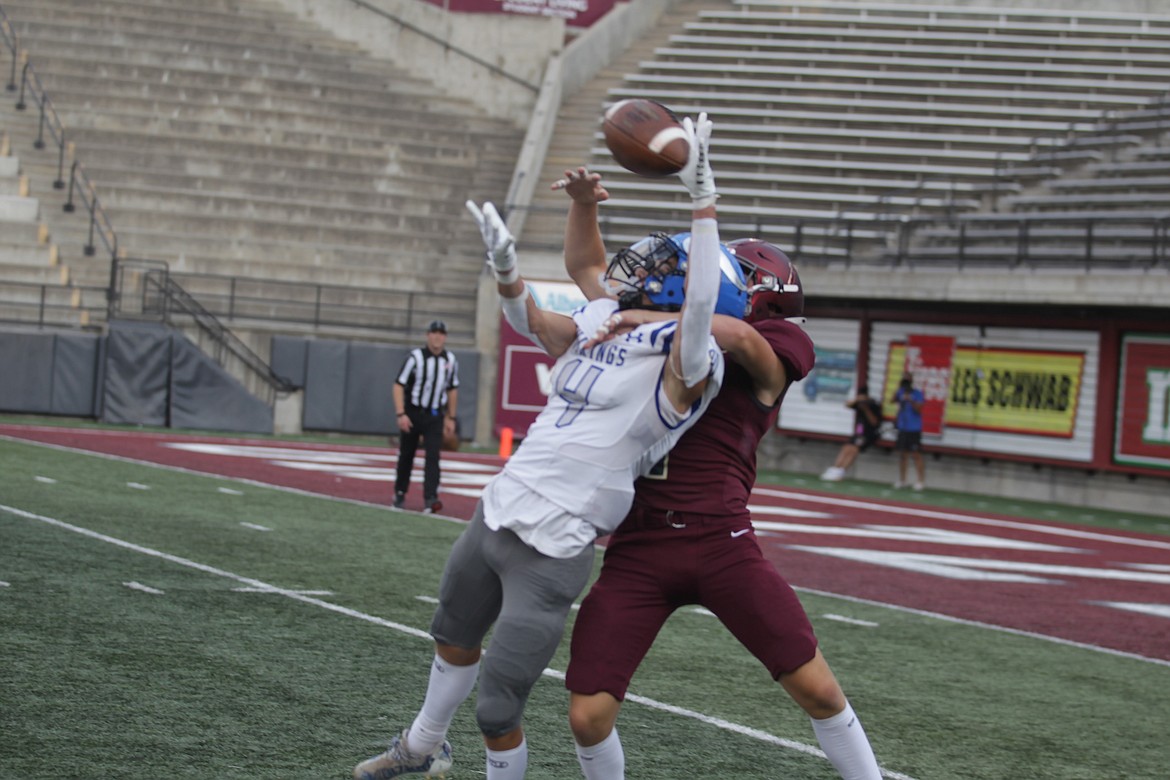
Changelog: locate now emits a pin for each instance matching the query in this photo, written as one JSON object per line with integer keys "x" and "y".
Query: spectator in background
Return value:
{"x": 909, "y": 425}
{"x": 867, "y": 423}
{"x": 426, "y": 395}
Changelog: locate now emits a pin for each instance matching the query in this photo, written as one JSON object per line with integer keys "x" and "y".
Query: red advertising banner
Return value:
{"x": 928, "y": 360}
{"x": 1142, "y": 432}
{"x": 522, "y": 385}
{"x": 576, "y": 13}
{"x": 523, "y": 381}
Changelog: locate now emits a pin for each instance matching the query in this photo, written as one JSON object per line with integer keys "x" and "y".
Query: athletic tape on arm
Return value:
{"x": 516, "y": 313}
{"x": 703, "y": 277}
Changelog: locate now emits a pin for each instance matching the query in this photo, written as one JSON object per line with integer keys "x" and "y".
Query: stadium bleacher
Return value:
{"x": 881, "y": 112}
{"x": 235, "y": 140}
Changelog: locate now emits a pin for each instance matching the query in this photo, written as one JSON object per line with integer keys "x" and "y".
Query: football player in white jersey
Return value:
{"x": 616, "y": 408}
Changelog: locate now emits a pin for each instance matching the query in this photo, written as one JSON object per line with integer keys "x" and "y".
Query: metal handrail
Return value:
{"x": 1024, "y": 228}
{"x": 171, "y": 296}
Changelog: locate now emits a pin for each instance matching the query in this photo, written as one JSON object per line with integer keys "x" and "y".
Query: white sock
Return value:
{"x": 604, "y": 761}
{"x": 508, "y": 764}
{"x": 844, "y": 742}
{"x": 449, "y": 687}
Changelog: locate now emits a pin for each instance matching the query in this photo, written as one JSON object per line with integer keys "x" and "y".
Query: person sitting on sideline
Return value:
{"x": 867, "y": 424}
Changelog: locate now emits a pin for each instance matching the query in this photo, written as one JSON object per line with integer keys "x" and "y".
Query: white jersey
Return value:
{"x": 607, "y": 422}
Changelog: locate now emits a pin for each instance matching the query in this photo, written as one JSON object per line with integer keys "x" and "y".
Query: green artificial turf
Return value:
{"x": 211, "y": 673}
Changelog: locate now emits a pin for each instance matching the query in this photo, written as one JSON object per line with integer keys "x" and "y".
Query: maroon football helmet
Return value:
{"x": 774, "y": 288}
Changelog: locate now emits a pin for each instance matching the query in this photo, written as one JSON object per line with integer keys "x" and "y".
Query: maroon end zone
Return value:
{"x": 1108, "y": 589}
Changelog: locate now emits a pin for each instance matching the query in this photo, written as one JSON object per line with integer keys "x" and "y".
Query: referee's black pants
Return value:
{"x": 430, "y": 428}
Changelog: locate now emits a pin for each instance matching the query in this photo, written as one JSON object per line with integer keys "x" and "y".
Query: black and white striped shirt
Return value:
{"x": 427, "y": 377}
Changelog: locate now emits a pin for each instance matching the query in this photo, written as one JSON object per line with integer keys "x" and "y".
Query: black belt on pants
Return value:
{"x": 645, "y": 519}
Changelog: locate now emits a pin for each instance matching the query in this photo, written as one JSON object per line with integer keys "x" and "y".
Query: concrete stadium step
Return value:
{"x": 154, "y": 241}
{"x": 259, "y": 231}
{"x": 130, "y": 166}
{"x": 24, "y": 234}
{"x": 304, "y": 83}
{"x": 189, "y": 22}
{"x": 15, "y": 208}
{"x": 26, "y": 250}
{"x": 40, "y": 23}
{"x": 391, "y": 214}
{"x": 388, "y": 120}
{"x": 13, "y": 187}
{"x": 458, "y": 147}
{"x": 182, "y": 69}
{"x": 50, "y": 33}
{"x": 225, "y": 10}
{"x": 412, "y": 157}
{"x": 14, "y": 268}
{"x": 395, "y": 270}
{"x": 900, "y": 109}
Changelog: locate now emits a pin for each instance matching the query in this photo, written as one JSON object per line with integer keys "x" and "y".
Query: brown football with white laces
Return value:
{"x": 645, "y": 137}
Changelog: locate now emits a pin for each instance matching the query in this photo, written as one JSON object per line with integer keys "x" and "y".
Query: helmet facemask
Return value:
{"x": 648, "y": 274}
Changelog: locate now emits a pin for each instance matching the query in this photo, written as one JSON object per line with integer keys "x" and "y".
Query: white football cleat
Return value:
{"x": 397, "y": 761}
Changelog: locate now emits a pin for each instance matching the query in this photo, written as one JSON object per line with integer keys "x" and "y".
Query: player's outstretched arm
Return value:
{"x": 553, "y": 332}
{"x": 689, "y": 363}
{"x": 584, "y": 248}
{"x": 748, "y": 348}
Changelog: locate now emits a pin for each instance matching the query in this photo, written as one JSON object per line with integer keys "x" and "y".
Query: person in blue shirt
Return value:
{"x": 909, "y": 425}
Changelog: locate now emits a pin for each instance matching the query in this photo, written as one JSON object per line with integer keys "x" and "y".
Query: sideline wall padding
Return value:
{"x": 203, "y": 395}
{"x": 326, "y": 363}
{"x": 348, "y": 383}
{"x": 26, "y": 383}
{"x": 77, "y": 360}
{"x": 155, "y": 376}
{"x": 50, "y": 372}
{"x": 137, "y": 374}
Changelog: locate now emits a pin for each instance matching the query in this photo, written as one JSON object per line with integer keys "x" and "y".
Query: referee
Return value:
{"x": 425, "y": 396}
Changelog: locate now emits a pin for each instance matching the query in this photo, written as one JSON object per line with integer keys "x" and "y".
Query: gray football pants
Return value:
{"x": 493, "y": 577}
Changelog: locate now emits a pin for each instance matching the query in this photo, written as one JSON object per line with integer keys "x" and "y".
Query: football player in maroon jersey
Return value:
{"x": 688, "y": 538}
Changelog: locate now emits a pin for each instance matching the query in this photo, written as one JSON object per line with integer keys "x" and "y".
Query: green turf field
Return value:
{"x": 157, "y": 624}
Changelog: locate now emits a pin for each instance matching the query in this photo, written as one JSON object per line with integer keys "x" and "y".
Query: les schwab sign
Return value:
{"x": 1034, "y": 392}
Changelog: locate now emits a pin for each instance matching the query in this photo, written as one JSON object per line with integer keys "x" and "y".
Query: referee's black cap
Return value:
{"x": 437, "y": 326}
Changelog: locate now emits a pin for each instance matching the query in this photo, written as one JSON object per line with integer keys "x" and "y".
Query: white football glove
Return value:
{"x": 501, "y": 246}
{"x": 696, "y": 175}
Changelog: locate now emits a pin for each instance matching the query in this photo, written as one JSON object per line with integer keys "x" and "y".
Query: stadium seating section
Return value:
{"x": 262, "y": 158}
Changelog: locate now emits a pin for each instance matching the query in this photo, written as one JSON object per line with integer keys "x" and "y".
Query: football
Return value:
{"x": 645, "y": 138}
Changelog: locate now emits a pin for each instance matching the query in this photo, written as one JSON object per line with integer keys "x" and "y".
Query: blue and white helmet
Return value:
{"x": 654, "y": 269}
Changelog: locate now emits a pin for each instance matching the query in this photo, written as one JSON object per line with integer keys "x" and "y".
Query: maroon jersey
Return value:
{"x": 712, "y": 468}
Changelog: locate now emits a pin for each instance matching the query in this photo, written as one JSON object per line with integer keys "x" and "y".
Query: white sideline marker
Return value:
{"x": 143, "y": 588}
{"x": 4, "y": 584}
{"x": 763, "y": 736}
{"x": 851, "y": 621}
{"x": 137, "y": 486}
{"x": 272, "y": 590}
{"x": 45, "y": 480}
{"x": 1155, "y": 610}
{"x": 230, "y": 491}
{"x": 255, "y": 527}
